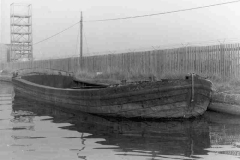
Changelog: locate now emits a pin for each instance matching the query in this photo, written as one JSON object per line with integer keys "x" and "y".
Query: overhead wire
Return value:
{"x": 167, "y": 12}
{"x": 55, "y": 34}
{"x": 140, "y": 16}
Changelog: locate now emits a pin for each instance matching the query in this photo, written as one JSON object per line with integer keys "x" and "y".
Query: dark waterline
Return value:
{"x": 33, "y": 130}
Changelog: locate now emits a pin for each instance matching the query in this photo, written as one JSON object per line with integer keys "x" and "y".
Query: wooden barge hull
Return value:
{"x": 160, "y": 99}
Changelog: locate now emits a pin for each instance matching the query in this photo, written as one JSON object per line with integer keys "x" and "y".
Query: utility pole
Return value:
{"x": 81, "y": 36}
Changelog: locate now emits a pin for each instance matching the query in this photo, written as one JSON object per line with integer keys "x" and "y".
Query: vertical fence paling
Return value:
{"x": 221, "y": 60}
{"x": 236, "y": 60}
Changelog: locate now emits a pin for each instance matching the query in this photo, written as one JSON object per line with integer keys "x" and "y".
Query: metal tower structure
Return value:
{"x": 21, "y": 32}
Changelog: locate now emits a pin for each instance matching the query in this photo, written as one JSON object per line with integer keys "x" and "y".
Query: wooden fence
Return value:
{"x": 218, "y": 60}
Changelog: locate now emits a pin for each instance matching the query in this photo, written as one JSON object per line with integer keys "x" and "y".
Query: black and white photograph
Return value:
{"x": 119, "y": 80}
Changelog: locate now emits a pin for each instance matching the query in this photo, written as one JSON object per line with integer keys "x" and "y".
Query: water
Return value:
{"x": 31, "y": 130}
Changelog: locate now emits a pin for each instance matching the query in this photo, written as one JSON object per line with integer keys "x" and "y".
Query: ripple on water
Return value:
{"x": 33, "y": 130}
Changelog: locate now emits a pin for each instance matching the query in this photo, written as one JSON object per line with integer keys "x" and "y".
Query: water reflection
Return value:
{"x": 33, "y": 130}
{"x": 224, "y": 133}
{"x": 114, "y": 138}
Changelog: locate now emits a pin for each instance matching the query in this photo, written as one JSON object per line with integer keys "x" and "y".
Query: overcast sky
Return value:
{"x": 52, "y": 16}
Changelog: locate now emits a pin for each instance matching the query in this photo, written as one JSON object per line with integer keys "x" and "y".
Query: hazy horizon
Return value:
{"x": 219, "y": 23}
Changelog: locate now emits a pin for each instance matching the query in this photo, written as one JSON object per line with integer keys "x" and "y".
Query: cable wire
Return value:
{"x": 147, "y": 15}
{"x": 161, "y": 13}
{"x": 55, "y": 34}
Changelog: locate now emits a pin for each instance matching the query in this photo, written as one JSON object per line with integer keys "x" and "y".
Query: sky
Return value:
{"x": 219, "y": 24}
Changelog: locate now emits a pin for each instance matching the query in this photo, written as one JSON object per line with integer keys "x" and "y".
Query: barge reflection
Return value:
{"x": 153, "y": 138}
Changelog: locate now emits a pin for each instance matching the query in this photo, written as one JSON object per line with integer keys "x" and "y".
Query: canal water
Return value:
{"x": 31, "y": 130}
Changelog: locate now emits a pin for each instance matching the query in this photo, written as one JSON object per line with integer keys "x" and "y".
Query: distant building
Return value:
{"x": 4, "y": 53}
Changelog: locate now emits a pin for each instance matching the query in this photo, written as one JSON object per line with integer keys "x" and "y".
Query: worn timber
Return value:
{"x": 169, "y": 98}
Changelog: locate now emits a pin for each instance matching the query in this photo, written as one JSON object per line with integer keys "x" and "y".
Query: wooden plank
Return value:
{"x": 238, "y": 58}
{"x": 190, "y": 68}
{"x": 215, "y": 60}
{"x": 178, "y": 59}
{"x": 219, "y": 60}
{"x": 209, "y": 65}
{"x": 181, "y": 60}
{"x": 222, "y": 65}
{"x": 154, "y": 63}
{"x": 196, "y": 60}
{"x": 231, "y": 61}
{"x": 203, "y": 64}
{"x": 163, "y": 61}
{"x": 170, "y": 60}
{"x": 235, "y": 60}
{"x": 184, "y": 59}
{"x": 229, "y": 66}
{"x": 200, "y": 60}
{"x": 158, "y": 67}
{"x": 175, "y": 60}
{"x": 191, "y": 59}
{"x": 225, "y": 58}
{"x": 225, "y": 61}
{"x": 212, "y": 60}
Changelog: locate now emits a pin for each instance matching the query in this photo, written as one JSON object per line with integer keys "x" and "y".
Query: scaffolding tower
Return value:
{"x": 21, "y": 32}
